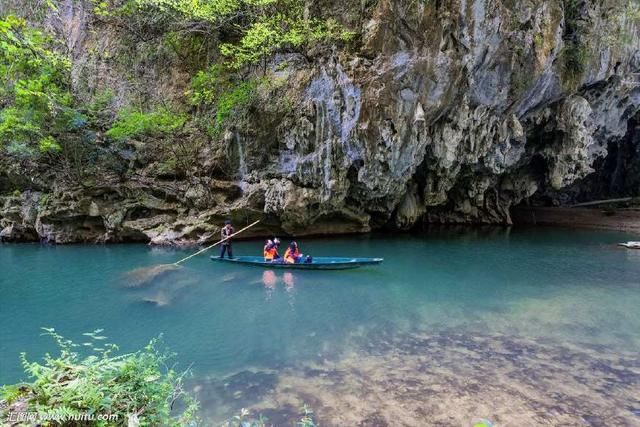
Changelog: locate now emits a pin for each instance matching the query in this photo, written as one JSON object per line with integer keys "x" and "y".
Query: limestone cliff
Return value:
{"x": 440, "y": 112}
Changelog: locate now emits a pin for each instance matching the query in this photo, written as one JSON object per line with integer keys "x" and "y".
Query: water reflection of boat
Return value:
{"x": 288, "y": 280}
{"x": 318, "y": 263}
{"x": 270, "y": 279}
{"x": 630, "y": 245}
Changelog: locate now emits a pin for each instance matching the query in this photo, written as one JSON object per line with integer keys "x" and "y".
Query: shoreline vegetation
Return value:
{"x": 136, "y": 389}
{"x": 88, "y": 384}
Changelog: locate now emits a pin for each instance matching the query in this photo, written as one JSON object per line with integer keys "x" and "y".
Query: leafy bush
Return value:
{"x": 134, "y": 387}
{"x": 276, "y": 30}
{"x": 208, "y": 11}
{"x": 207, "y": 85}
{"x": 265, "y": 26}
{"x": 133, "y": 124}
{"x": 35, "y": 98}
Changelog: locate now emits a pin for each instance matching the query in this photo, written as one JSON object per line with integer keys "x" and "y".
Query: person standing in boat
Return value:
{"x": 226, "y": 231}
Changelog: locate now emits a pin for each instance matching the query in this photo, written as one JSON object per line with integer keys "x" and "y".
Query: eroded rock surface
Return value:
{"x": 447, "y": 112}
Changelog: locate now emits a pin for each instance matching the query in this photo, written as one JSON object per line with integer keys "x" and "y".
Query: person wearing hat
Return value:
{"x": 226, "y": 231}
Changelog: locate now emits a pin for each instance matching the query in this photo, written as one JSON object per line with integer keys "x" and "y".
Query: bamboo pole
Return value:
{"x": 601, "y": 202}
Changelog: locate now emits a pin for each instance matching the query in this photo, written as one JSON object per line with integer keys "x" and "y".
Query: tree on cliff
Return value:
{"x": 35, "y": 99}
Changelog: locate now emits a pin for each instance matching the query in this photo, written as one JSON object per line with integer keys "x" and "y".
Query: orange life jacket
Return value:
{"x": 270, "y": 253}
{"x": 291, "y": 257}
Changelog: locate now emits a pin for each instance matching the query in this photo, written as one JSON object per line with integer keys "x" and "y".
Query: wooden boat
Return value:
{"x": 318, "y": 263}
{"x": 630, "y": 245}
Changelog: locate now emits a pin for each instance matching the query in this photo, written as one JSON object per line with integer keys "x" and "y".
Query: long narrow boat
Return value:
{"x": 318, "y": 263}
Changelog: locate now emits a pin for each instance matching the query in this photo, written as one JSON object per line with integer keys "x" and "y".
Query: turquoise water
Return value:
{"x": 453, "y": 295}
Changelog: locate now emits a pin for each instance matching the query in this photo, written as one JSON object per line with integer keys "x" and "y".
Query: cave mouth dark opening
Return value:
{"x": 617, "y": 175}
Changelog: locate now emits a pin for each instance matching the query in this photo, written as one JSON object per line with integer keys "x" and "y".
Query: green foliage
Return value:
{"x": 35, "y": 100}
{"x": 133, "y": 124}
{"x": 100, "y": 8}
{"x": 11, "y": 393}
{"x": 97, "y": 110}
{"x": 43, "y": 200}
{"x": 102, "y": 383}
{"x": 207, "y": 85}
{"x": 279, "y": 25}
{"x": 538, "y": 40}
{"x": 206, "y": 10}
{"x": 574, "y": 61}
{"x": 168, "y": 167}
{"x": 48, "y": 144}
{"x": 192, "y": 48}
{"x": 265, "y": 26}
{"x": 215, "y": 89}
{"x": 575, "y": 54}
{"x": 231, "y": 101}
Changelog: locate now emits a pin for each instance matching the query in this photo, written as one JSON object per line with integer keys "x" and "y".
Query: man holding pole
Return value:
{"x": 226, "y": 231}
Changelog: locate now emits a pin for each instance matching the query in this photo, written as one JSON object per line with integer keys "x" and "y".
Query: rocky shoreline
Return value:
{"x": 609, "y": 219}
{"x": 93, "y": 217}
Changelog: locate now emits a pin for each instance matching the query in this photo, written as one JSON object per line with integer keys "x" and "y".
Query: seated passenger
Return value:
{"x": 271, "y": 250}
{"x": 267, "y": 246}
{"x": 292, "y": 255}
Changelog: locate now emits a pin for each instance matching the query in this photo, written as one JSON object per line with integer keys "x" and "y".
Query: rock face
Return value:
{"x": 444, "y": 112}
